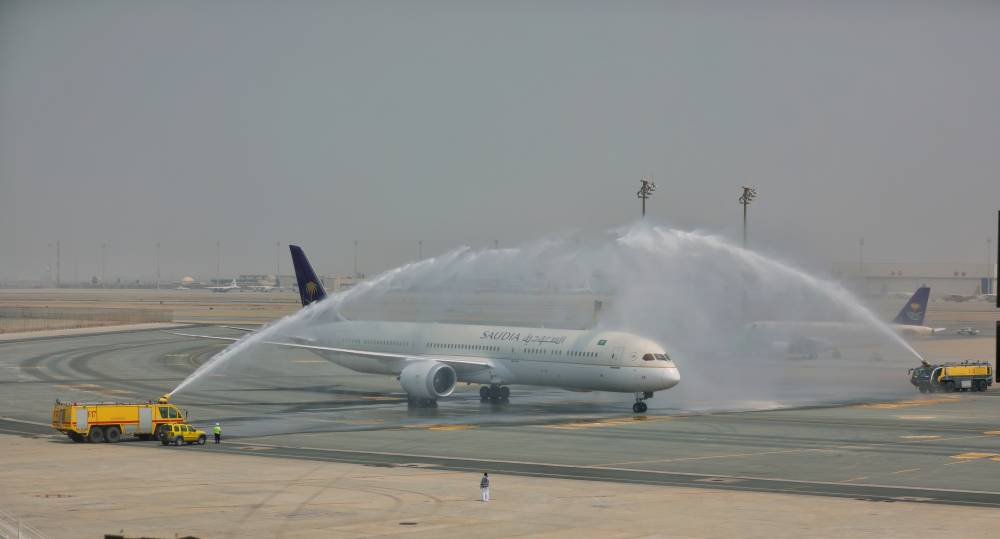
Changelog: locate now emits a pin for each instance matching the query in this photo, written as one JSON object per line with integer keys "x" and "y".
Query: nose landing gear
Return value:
{"x": 494, "y": 392}
{"x": 640, "y": 407}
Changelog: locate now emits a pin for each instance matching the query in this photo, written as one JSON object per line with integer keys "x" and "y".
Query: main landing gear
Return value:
{"x": 640, "y": 407}
{"x": 494, "y": 392}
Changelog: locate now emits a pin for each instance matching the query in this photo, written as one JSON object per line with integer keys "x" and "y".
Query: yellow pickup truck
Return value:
{"x": 182, "y": 433}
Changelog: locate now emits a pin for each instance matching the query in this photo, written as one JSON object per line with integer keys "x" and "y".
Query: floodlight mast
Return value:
{"x": 749, "y": 193}
{"x": 646, "y": 188}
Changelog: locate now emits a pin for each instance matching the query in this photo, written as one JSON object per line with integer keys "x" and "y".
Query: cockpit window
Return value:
{"x": 648, "y": 357}
{"x": 661, "y": 357}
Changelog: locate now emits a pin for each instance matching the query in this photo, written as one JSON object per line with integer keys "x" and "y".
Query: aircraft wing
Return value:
{"x": 459, "y": 363}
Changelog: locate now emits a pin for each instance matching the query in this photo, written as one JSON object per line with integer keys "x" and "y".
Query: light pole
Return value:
{"x": 861, "y": 263}
{"x": 218, "y": 262}
{"x": 749, "y": 193}
{"x": 157, "y": 265}
{"x": 277, "y": 264}
{"x": 646, "y": 188}
{"x": 104, "y": 263}
{"x": 989, "y": 266}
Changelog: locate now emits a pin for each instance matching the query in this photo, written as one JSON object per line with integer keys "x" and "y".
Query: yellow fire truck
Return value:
{"x": 109, "y": 422}
{"x": 958, "y": 376}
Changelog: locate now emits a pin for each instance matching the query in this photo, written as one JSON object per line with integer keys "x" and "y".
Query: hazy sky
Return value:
{"x": 461, "y": 122}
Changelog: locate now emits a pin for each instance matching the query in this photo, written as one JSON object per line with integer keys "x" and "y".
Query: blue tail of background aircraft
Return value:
{"x": 310, "y": 287}
{"x": 912, "y": 314}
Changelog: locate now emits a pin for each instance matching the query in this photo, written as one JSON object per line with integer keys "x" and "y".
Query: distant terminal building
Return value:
{"x": 944, "y": 278}
{"x": 332, "y": 283}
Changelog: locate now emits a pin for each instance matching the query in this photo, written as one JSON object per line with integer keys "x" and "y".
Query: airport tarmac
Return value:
{"x": 938, "y": 452}
{"x": 937, "y": 449}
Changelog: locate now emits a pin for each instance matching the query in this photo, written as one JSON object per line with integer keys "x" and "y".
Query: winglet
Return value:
{"x": 310, "y": 287}
{"x": 912, "y": 314}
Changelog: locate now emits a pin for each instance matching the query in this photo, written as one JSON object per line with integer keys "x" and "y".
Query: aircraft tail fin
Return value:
{"x": 912, "y": 314}
{"x": 310, "y": 287}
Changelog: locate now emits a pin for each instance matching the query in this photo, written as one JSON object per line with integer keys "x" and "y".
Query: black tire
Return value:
{"x": 77, "y": 439}
{"x": 637, "y": 407}
{"x": 178, "y": 441}
{"x": 484, "y": 393}
{"x": 164, "y": 442}
{"x": 96, "y": 435}
{"x": 112, "y": 435}
{"x": 949, "y": 386}
{"x": 923, "y": 389}
{"x": 201, "y": 440}
{"x": 505, "y": 393}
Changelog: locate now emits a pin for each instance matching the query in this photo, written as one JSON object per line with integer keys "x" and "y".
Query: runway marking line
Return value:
{"x": 26, "y": 422}
{"x": 908, "y": 403}
{"x": 992, "y": 433}
{"x": 921, "y": 437}
{"x": 976, "y": 456}
{"x": 908, "y": 470}
{"x": 707, "y": 457}
{"x": 853, "y": 479}
{"x": 441, "y": 426}
{"x": 611, "y": 422}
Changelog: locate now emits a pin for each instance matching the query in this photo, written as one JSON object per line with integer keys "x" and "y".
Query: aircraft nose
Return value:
{"x": 671, "y": 377}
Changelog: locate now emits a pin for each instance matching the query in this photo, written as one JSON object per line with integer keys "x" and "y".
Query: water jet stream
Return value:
{"x": 693, "y": 292}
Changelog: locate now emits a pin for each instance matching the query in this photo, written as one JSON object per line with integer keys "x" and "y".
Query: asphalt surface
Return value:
{"x": 934, "y": 449}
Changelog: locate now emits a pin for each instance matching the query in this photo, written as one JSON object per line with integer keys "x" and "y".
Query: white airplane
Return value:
{"x": 430, "y": 359}
{"x": 226, "y": 288}
{"x": 810, "y": 337}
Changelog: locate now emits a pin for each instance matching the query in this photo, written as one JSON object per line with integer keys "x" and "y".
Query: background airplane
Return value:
{"x": 810, "y": 338}
{"x": 226, "y": 288}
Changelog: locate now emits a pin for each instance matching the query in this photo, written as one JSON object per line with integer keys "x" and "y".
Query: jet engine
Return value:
{"x": 428, "y": 380}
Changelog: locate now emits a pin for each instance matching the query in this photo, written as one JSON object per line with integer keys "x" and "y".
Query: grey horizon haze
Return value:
{"x": 320, "y": 123}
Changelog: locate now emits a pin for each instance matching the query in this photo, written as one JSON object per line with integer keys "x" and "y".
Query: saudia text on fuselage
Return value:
{"x": 514, "y": 336}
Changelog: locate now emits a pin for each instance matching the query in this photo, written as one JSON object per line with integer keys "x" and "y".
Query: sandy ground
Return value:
{"x": 67, "y": 490}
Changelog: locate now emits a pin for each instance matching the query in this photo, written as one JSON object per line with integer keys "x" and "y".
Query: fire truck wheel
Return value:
{"x": 96, "y": 435}
{"x": 112, "y": 435}
{"x": 201, "y": 440}
{"x": 178, "y": 441}
{"x": 76, "y": 438}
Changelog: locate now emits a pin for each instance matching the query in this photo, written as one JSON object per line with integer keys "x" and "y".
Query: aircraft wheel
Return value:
{"x": 639, "y": 407}
{"x": 484, "y": 393}
{"x": 505, "y": 393}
